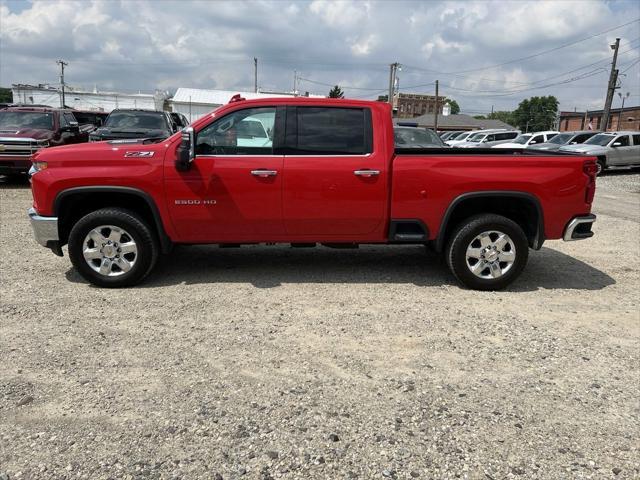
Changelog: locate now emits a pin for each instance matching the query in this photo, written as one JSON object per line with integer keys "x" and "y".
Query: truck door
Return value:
{"x": 623, "y": 152}
{"x": 233, "y": 190}
{"x": 335, "y": 180}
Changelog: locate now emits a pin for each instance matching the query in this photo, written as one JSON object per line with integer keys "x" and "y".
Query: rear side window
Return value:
{"x": 332, "y": 131}
{"x": 636, "y": 139}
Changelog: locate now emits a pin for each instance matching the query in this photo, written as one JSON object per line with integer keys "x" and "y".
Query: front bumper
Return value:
{"x": 14, "y": 165}
{"x": 45, "y": 230}
{"x": 579, "y": 228}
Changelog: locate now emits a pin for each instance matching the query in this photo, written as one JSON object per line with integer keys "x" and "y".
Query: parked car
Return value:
{"x": 489, "y": 139}
{"x": 526, "y": 140}
{"x": 25, "y": 130}
{"x": 612, "y": 149}
{"x": 179, "y": 120}
{"x": 449, "y": 135}
{"x": 414, "y": 137}
{"x": 130, "y": 124}
{"x": 90, "y": 117}
{"x": 564, "y": 138}
{"x": 335, "y": 178}
{"x": 461, "y": 137}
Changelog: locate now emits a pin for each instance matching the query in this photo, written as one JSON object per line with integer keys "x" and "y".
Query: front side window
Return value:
{"x": 581, "y": 138}
{"x": 243, "y": 132}
{"x": 636, "y": 139}
{"x": 623, "y": 140}
{"x": 70, "y": 118}
{"x": 537, "y": 139}
{"x": 333, "y": 131}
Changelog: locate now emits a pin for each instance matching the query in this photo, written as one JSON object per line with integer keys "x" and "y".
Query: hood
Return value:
{"x": 584, "y": 148}
{"x": 545, "y": 146}
{"x": 509, "y": 145}
{"x": 17, "y": 133}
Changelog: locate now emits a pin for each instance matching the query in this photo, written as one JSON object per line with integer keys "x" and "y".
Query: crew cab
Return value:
{"x": 328, "y": 172}
{"x": 25, "y": 130}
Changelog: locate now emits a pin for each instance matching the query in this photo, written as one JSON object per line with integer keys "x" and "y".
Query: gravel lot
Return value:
{"x": 268, "y": 362}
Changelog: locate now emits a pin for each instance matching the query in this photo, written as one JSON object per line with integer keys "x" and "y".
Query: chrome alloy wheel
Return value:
{"x": 110, "y": 250}
{"x": 491, "y": 254}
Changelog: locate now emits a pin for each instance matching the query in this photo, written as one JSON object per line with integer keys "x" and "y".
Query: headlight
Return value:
{"x": 37, "y": 166}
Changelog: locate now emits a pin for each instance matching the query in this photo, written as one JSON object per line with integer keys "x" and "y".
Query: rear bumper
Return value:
{"x": 45, "y": 230}
{"x": 579, "y": 228}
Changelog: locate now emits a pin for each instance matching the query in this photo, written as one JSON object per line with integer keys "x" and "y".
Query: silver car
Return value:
{"x": 613, "y": 149}
{"x": 562, "y": 139}
{"x": 489, "y": 139}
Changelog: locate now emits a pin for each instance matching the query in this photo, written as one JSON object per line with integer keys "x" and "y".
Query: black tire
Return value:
{"x": 602, "y": 165}
{"x": 464, "y": 235}
{"x": 139, "y": 231}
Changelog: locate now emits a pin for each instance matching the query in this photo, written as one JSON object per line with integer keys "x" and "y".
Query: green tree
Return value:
{"x": 536, "y": 113}
{"x": 455, "y": 108}
{"x": 336, "y": 92}
{"x": 5, "y": 95}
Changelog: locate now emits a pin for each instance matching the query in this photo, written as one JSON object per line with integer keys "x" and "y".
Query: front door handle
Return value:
{"x": 264, "y": 173}
{"x": 366, "y": 173}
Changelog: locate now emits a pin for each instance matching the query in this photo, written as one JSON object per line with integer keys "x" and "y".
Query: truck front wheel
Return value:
{"x": 112, "y": 248}
{"x": 487, "y": 252}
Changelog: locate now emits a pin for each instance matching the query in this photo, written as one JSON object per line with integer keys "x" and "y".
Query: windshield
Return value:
{"x": 522, "y": 139}
{"x": 601, "y": 139}
{"x": 150, "y": 121}
{"x": 561, "y": 139}
{"x": 462, "y": 136}
{"x": 415, "y": 137}
{"x": 477, "y": 138}
{"x": 39, "y": 120}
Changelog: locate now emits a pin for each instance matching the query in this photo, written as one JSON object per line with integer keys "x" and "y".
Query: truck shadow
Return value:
{"x": 269, "y": 267}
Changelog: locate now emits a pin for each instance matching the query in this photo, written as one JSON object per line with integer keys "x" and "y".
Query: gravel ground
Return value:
{"x": 268, "y": 362}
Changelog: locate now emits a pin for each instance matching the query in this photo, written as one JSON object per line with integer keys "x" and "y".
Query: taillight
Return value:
{"x": 590, "y": 168}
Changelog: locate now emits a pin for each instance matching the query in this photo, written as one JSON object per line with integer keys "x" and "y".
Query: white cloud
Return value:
{"x": 147, "y": 45}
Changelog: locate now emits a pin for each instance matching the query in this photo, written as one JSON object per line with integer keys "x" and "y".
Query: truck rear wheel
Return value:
{"x": 112, "y": 248}
{"x": 487, "y": 252}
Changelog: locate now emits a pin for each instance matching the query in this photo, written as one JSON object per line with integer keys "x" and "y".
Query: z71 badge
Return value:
{"x": 139, "y": 154}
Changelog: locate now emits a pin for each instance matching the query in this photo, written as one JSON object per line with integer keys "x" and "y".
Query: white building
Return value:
{"x": 194, "y": 103}
{"x": 84, "y": 100}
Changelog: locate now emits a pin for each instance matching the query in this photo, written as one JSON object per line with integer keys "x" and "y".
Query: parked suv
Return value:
{"x": 565, "y": 138}
{"x": 489, "y": 139}
{"x": 25, "y": 130}
{"x": 527, "y": 139}
{"x": 613, "y": 149}
{"x": 125, "y": 124}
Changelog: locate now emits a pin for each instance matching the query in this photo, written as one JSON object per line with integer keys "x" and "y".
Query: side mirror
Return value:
{"x": 185, "y": 153}
{"x": 73, "y": 127}
{"x": 617, "y": 144}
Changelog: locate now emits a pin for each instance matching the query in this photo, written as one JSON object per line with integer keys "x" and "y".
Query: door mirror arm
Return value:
{"x": 186, "y": 151}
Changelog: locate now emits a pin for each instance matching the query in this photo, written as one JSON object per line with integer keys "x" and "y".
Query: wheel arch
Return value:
{"x": 73, "y": 203}
{"x": 525, "y": 209}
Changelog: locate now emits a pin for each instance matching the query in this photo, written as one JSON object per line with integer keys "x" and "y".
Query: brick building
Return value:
{"x": 411, "y": 105}
{"x": 629, "y": 119}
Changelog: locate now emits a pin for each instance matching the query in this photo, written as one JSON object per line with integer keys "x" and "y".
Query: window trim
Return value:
{"x": 291, "y": 133}
{"x": 278, "y": 135}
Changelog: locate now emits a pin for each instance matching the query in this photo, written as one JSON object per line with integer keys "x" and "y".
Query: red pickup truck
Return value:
{"x": 304, "y": 171}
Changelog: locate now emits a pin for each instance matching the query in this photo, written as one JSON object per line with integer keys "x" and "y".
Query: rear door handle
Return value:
{"x": 264, "y": 173}
{"x": 366, "y": 173}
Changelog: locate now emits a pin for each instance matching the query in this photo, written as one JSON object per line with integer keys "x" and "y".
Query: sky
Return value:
{"x": 485, "y": 54}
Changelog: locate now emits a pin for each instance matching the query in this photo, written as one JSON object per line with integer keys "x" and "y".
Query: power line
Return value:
{"x": 528, "y": 57}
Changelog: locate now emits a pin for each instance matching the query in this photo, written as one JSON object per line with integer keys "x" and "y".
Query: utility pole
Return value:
{"x": 62, "y": 64}
{"x": 392, "y": 82}
{"x": 435, "y": 121}
{"x": 295, "y": 81}
{"x": 255, "y": 74}
{"x": 613, "y": 79}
